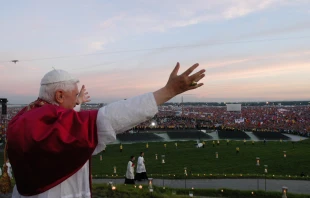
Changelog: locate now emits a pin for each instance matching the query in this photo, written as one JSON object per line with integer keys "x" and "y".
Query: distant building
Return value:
{"x": 233, "y": 107}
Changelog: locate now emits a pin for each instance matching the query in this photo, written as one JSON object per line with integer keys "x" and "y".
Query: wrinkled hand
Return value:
{"x": 83, "y": 96}
{"x": 178, "y": 84}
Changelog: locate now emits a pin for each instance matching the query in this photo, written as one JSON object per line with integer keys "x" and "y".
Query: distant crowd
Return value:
{"x": 294, "y": 119}
{"x": 289, "y": 119}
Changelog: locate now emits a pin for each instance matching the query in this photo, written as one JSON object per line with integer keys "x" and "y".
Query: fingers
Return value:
{"x": 83, "y": 87}
{"x": 86, "y": 98}
{"x": 83, "y": 95}
{"x": 196, "y": 86}
{"x": 195, "y": 76}
{"x": 175, "y": 70}
{"x": 200, "y": 77}
{"x": 191, "y": 69}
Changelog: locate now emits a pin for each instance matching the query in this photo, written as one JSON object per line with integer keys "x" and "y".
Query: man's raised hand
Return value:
{"x": 83, "y": 96}
{"x": 178, "y": 84}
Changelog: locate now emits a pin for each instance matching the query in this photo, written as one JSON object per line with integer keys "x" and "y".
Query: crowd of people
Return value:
{"x": 289, "y": 119}
{"x": 4, "y": 119}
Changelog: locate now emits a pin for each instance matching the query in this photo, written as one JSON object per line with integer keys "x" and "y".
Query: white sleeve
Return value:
{"x": 120, "y": 116}
{"x": 77, "y": 108}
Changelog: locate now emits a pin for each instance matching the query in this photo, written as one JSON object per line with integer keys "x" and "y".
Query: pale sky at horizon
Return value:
{"x": 252, "y": 50}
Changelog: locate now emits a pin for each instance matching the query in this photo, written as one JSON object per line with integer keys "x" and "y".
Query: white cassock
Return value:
{"x": 8, "y": 164}
{"x": 141, "y": 165}
{"x": 130, "y": 171}
{"x": 112, "y": 119}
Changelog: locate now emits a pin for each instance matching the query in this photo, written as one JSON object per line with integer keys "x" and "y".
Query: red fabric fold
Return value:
{"x": 47, "y": 144}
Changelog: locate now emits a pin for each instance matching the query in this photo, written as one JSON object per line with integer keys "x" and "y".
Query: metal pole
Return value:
{"x": 257, "y": 182}
{"x": 265, "y": 182}
{"x": 257, "y": 164}
{"x": 163, "y": 177}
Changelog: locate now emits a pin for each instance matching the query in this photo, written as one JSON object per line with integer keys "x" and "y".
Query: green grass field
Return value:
{"x": 202, "y": 161}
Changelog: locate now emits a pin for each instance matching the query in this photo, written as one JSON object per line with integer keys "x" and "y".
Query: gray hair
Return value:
{"x": 47, "y": 91}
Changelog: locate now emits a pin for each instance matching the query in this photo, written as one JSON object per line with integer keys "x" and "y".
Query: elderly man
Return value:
{"x": 50, "y": 145}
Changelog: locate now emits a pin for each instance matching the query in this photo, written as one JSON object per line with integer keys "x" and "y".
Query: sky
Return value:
{"x": 252, "y": 50}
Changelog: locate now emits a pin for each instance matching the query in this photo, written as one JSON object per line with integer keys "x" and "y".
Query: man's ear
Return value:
{"x": 59, "y": 96}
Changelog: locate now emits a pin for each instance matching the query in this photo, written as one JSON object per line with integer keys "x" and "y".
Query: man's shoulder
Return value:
{"x": 47, "y": 110}
{"x": 44, "y": 110}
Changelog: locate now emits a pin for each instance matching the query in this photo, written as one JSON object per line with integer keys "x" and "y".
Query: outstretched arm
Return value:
{"x": 120, "y": 116}
{"x": 123, "y": 115}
